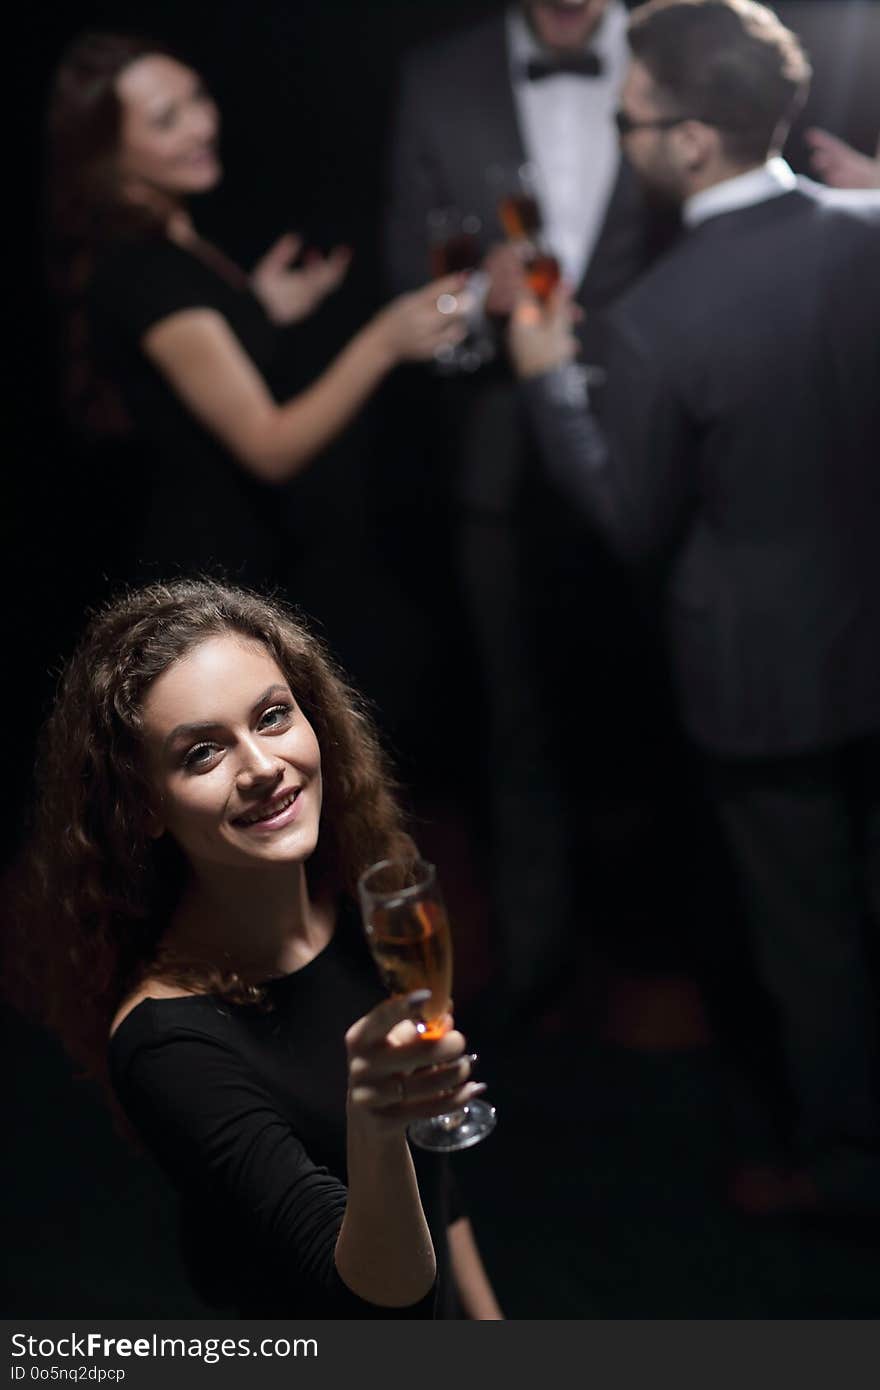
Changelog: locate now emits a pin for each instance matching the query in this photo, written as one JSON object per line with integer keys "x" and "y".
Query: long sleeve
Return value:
{"x": 213, "y": 1125}
{"x": 631, "y": 472}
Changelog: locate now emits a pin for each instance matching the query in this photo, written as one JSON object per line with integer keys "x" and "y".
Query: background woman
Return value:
{"x": 162, "y": 330}
{"x": 188, "y": 908}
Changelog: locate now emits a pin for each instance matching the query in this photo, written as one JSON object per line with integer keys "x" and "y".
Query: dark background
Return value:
{"x": 306, "y": 89}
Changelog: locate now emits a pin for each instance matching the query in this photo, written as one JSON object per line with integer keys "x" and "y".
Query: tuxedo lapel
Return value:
{"x": 620, "y": 250}
{"x": 479, "y": 126}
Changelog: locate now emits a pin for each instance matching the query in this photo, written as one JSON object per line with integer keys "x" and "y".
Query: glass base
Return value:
{"x": 465, "y": 358}
{"x": 457, "y": 1130}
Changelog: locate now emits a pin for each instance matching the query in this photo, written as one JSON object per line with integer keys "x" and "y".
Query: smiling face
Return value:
{"x": 169, "y": 127}
{"x": 234, "y": 764}
{"x": 565, "y": 24}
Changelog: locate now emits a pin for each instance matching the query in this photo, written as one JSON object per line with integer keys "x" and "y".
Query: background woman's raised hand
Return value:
{"x": 290, "y": 292}
{"x": 839, "y": 165}
{"x": 413, "y": 326}
{"x": 396, "y": 1075}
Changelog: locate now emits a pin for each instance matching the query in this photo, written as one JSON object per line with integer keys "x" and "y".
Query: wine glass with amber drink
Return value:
{"x": 453, "y": 241}
{"x": 408, "y": 934}
{"x": 517, "y": 191}
{"x": 454, "y": 246}
{"x": 542, "y": 273}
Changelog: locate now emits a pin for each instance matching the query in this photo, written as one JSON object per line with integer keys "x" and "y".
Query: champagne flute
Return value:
{"x": 408, "y": 934}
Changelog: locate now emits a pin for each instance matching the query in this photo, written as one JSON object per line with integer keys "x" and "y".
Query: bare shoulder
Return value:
{"x": 149, "y": 989}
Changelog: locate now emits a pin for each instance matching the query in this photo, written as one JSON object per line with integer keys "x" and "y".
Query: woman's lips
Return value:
{"x": 273, "y": 820}
{"x": 201, "y": 158}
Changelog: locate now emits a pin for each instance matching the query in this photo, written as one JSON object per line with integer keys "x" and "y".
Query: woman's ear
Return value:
{"x": 155, "y": 826}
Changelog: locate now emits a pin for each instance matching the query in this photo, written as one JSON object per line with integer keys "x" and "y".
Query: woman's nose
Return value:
{"x": 203, "y": 121}
{"x": 256, "y": 766}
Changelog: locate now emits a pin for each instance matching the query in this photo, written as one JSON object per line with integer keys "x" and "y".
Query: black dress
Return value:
{"x": 244, "y": 1109}
{"x": 196, "y": 508}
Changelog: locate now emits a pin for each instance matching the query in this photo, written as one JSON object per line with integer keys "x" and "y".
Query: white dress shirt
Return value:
{"x": 757, "y": 185}
{"x": 567, "y": 125}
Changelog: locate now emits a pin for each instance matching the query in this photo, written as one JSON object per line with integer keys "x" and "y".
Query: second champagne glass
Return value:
{"x": 517, "y": 190}
{"x": 408, "y": 935}
{"x": 454, "y": 245}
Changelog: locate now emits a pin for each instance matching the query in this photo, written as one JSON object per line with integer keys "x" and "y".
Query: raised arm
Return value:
{"x": 199, "y": 355}
{"x": 630, "y": 473}
{"x": 839, "y": 165}
{"x": 395, "y": 1077}
{"x": 215, "y": 1127}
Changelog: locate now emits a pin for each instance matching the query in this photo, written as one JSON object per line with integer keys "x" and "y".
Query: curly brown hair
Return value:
{"x": 100, "y": 888}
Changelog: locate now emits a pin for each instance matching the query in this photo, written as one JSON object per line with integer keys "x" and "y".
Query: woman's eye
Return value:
{"x": 276, "y": 715}
{"x": 200, "y": 755}
{"x": 166, "y": 120}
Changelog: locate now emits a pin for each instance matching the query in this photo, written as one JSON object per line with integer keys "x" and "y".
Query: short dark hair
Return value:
{"x": 730, "y": 63}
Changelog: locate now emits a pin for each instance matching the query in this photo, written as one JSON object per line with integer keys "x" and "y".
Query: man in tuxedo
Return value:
{"x": 536, "y": 84}
{"x": 737, "y": 454}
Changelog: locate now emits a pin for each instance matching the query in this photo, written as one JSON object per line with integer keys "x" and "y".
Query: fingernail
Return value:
{"x": 473, "y": 1058}
{"x": 476, "y": 1088}
{"x": 418, "y": 996}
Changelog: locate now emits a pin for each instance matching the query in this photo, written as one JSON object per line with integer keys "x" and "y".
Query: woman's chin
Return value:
{"x": 280, "y": 848}
{"x": 204, "y": 180}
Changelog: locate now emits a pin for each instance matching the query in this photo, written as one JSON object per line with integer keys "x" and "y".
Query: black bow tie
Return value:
{"x": 586, "y": 64}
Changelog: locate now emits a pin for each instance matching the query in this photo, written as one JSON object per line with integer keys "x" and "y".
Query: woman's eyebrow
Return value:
{"x": 188, "y": 730}
{"x": 208, "y": 725}
{"x": 161, "y": 105}
{"x": 268, "y": 693}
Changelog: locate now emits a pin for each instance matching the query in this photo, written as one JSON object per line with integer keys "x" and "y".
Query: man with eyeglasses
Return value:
{"x": 738, "y": 456}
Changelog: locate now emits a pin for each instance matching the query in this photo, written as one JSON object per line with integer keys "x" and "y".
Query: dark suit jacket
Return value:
{"x": 456, "y": 116}
{"x": 741, "y": 442}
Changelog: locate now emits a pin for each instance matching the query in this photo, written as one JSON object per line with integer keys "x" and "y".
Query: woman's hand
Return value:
{"x": 839, "y": 165}
{"x": 412, "y": 327}
{"x": 395, "y": 1075}
{"x": 541, "y": 337}
{"x": 289, "y": 295}
{"x": 503, "y": 264}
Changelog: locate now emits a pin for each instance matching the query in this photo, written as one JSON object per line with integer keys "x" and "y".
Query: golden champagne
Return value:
{"x": 408, "y": 934}
{"x": 412, "y": 946}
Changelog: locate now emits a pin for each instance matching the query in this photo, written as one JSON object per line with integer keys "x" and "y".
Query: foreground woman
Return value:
{"x": 210, "y": 791}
